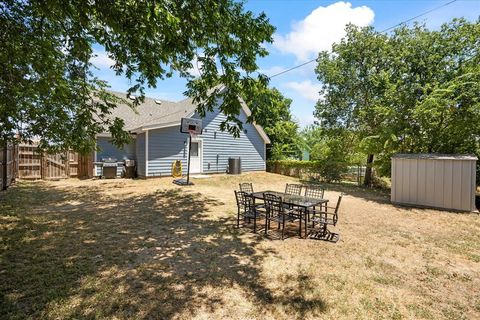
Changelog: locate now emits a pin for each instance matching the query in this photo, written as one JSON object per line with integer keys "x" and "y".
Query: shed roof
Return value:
{"x": 435, "y": 156}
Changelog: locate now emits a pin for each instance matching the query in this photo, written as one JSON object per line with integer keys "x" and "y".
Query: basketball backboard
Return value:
{"x": 191, "y": 125}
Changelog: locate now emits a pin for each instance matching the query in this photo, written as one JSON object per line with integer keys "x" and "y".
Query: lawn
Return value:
{"x": 146, "y": 249}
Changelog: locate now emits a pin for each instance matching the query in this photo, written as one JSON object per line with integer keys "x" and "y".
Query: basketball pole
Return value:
{"x": 189, "y": 151}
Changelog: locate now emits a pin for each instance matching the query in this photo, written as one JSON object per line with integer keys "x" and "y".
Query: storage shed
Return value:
{"x": 434, "y": 180}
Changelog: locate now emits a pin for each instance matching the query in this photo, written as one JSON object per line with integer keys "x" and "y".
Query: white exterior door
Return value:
{"x": 196, "y": 156}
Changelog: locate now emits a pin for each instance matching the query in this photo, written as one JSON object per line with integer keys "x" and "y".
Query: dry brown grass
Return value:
{"x": 150, "y": 249}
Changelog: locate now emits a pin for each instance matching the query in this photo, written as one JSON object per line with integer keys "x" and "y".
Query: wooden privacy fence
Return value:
{"x": 8, "y": 165}
{"x": 33, "y": 164}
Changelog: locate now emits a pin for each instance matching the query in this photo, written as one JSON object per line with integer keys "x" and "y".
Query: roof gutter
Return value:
{"x": 155, "y": 126}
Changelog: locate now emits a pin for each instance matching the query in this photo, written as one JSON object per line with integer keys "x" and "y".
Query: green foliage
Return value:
{"x": 335, "y": 148}
{"x": 324, "y": 170}
{"x": 47, "y": 87}
{"x": 414, "y": 90}
{"x": 271, "y": 110}
{"x": 335, "y": 144}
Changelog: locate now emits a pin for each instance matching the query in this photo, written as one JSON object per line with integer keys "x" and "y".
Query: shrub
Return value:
{"x": 328, "y": 171}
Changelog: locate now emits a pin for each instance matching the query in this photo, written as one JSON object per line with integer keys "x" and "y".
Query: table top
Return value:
{"x": 301, "y": 201}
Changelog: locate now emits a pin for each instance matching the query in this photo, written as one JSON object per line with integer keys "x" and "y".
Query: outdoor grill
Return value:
{"x": 109, "y": 168}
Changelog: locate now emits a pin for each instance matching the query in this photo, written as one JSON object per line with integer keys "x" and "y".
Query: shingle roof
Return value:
{"x": 150, "y": 112}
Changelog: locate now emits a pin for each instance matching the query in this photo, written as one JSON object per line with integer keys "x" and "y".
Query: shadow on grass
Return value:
{"x": 85, "y": 253}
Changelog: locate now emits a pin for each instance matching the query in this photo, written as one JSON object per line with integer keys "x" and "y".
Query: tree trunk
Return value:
{"x": 368, "y": 171}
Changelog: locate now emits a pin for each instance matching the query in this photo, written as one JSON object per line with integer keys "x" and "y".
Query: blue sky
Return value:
{"x": 303, "y": 28}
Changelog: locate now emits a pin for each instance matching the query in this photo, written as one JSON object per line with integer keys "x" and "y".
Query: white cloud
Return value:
{"x": 307, "y": 89}
{"x": 101, "y": 60}
{"x": 321, "y": 28}
{"x": 305, "y": 119}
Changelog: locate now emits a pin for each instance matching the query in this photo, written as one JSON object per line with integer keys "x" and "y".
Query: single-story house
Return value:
{"x": 158, "y": 142}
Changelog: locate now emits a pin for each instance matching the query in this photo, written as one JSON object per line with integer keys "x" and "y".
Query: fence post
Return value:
{"x": 43, "y": 166}
{"x": 67, "y": 164}
{"x": 359, "y": 179}
{"x": 4, "y": 165}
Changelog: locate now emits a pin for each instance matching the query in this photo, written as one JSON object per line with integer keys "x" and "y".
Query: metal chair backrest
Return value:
{"x": 273, "y": 204}
{"x": 337, "y": 208}
{"x": 314, "y": 192}
{"x": 295, "y": 189}
{"x": 245, "y": 201}
{"x": 246, "y": 187}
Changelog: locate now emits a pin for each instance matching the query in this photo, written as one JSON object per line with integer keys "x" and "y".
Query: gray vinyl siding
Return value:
{"x": 108, "y": 150}
{"x": 218, "y": 146}
{"x": 165, "y": 146}
{"x": 140, "y": 151}
{"x": 168, "y": 144}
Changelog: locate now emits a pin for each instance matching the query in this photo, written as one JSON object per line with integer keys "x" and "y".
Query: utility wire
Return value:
{"x": 420, "y": 15}
{"x": 385, "y": 30}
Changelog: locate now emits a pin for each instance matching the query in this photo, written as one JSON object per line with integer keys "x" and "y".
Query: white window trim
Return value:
{"x": 146, "y": 153}
{"x": 200, "y": 147}
{"x": 264, "y": 157}
{"x": 95, "y": 160}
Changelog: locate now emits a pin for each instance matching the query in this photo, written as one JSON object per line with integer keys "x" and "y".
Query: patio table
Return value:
{"x": 302, "y": 203}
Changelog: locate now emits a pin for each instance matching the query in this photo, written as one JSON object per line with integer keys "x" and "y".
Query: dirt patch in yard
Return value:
{"x": 148, "y": 249}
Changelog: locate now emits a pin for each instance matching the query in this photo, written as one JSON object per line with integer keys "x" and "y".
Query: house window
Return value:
{"x": 194, "y": 149}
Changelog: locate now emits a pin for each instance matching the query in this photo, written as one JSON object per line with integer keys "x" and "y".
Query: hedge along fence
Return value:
{"x": 292, "y": 168}
{"x": 317, "y": 170}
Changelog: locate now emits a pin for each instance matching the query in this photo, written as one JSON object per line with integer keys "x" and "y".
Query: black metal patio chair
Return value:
{"x": 325, "y": 219}
{"x": 294, "y": 189}
{"x": 277, "y": 212}
{"x": 246, "y": 208}
{"x": 313, "y": 191}
{"x": 316, "y": 192}
{"x": 246, "y": 187}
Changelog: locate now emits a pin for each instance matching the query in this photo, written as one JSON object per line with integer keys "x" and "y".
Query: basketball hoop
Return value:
{"x": 193, "y": 134}
{"x": 193, "y": 127}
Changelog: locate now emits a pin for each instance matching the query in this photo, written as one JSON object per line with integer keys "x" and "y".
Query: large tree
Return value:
{"x": 48, "y": 90}
{"x": 435, "y": 91}
{"x": 271, "y": 110}
{"x": 414, "y": 90}
{"x": 354, "y": 83}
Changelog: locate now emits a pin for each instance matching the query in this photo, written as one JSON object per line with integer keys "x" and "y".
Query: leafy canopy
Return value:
{"x": 271, "y": 110}
{"x": 414, "y": 90}
{"x": 47, "y": 88}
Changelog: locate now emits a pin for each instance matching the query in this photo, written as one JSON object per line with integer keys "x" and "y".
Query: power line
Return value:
{"x": 385, "y": 30}
{"x": 420, "y": 15}
{"x": 293, "y": 68}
